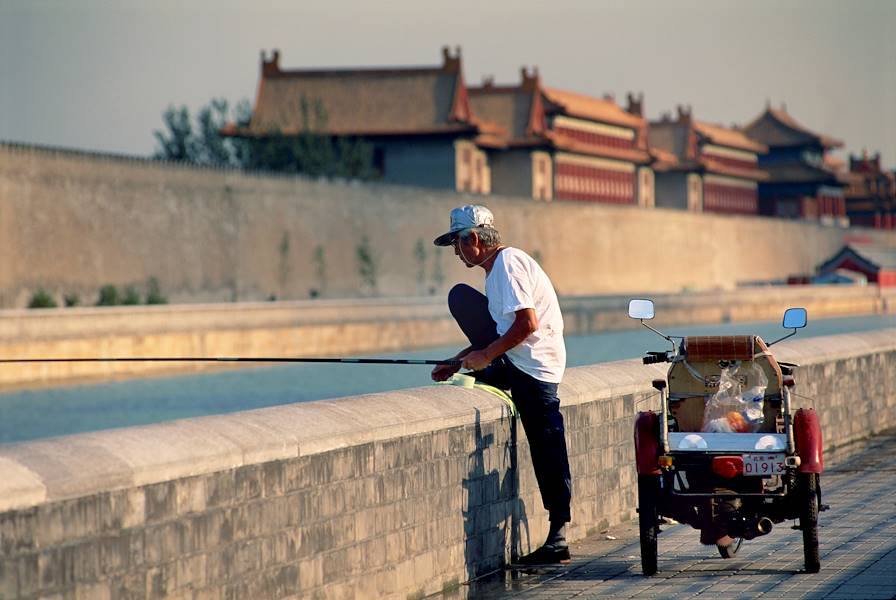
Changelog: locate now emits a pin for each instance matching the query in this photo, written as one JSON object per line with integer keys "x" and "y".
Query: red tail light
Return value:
{"x": 728, "y": 466}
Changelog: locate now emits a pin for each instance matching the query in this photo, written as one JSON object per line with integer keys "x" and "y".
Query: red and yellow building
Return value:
{"x": 804, "y": 182}
{"x": 870, "y": 193}
{"x": 565, "y": 146}
{"x": 703, "y": 167}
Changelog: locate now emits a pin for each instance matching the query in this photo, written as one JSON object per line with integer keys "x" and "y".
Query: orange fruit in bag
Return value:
{"x": 737, "y": 422}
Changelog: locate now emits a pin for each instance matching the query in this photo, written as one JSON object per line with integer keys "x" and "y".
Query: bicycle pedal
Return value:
{"x": 824, "y": 507}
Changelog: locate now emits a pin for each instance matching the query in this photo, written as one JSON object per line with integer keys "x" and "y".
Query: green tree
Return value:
{"x": 310, "y": 152}
{"x": 42, "y": 299}
{"x": 178, "y": 142}
{"x": 420, "y": 256}
{"x": 109, "y": 296}
{"x": 154, "y": 292}
{"x": 366, "y": 265}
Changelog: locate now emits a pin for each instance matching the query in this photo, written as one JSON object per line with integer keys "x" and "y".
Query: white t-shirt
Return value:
{"x": 517, "y": 282}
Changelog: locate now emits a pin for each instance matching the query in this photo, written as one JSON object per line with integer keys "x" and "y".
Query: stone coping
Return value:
{"x": 67, "y": 467}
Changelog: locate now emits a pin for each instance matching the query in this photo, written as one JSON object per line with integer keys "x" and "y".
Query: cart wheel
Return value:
{"x": 731, "y": 549}
{"x": 648, "y": 490}
{"x": 808, "y": 485}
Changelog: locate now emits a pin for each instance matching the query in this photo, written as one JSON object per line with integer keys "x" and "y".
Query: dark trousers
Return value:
{"x": 536, "y": 401}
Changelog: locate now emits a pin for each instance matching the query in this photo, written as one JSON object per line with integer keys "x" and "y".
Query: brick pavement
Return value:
{"x": 857, "y": 537}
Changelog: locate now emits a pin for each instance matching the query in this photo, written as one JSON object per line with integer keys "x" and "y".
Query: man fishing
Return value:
{"x": 516, "y": 343}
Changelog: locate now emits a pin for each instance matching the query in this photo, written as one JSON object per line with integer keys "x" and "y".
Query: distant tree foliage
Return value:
{"x": 308, "y": 153}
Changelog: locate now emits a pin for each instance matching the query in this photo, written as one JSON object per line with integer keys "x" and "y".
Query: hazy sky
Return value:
{"x": 97, "y": 75}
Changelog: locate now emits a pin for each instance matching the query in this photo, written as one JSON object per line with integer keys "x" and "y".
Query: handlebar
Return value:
{"x": 655, "y": 357}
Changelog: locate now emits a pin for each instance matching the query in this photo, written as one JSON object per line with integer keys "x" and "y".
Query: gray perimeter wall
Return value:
{"x": 388, "y": 495}
{"x": 72, "y": 222}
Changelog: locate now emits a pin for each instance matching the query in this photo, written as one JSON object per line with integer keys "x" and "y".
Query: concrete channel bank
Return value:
{"x": 388, "y": 495}
{"x": 349, "y": 327}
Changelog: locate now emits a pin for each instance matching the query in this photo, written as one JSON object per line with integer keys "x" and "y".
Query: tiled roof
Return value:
{"x": 364, "y": 101}
{"x": 595, "y": 109}
{"x": 800, "y": 173}
{"x": 663, "y": 159}
{"x": 509, "y": 107}
{"x": 775, "y": 127}
{"x": 875, "y": 257}
{"x": 724, "y": 136}
{"x": 714, "y": 166}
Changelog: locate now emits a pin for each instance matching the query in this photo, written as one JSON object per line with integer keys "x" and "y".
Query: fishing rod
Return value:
{"x": 258, "y": 359}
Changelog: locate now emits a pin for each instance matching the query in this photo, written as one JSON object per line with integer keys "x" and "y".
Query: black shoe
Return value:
{"x": 546, "y": 555}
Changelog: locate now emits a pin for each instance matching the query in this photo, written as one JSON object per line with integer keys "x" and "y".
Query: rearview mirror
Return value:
{"x": 794, "y": 318}
{"x": 640, "y": 309}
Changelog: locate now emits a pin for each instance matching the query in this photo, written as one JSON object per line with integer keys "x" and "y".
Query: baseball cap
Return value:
{"x": 465, "y": 217}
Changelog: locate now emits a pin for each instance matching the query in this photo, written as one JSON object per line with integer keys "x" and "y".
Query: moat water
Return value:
{"x": 39, "y": 413}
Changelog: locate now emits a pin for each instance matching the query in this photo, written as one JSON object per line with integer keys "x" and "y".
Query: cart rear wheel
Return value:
{"x": 731, "y": 549}
{"x": 809, "y": 520}
{"x": 648, "y": 517}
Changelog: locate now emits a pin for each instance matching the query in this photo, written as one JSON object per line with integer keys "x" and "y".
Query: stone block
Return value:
{"x": 247, "y": 483}
{"x": 297, "y": 474}
{"x": 22, "y": 575}
{"x": 246, "y": 557}
{"x": 209, "y": 593}
{"x": 246, "y": 520}
{"x": 373, "y": 554}
{"x": 161, "y": 543}
{"x": 393, "y": 482}
{"x": 311, "y": 575}
{"x": 423, "y": 569}
{"x": 160, "y": 581}
{"x": 209, "y": 529}
{"x": 122, "y": 509}
{"x": 219, "y": 566}
{"x": 273, "y": 478}
{"x": 93, "y": 591}
{"x": 363, "y": 460}
{"x": 461, "y": 441}
{"x": 396, "y": 547}
{"x": 321, "y": 469}
{"x": 161, "y": 501}
{"x": 365, "y": 524}
{"x": 190, "y": 495}
{"x": 371, "y": 491}
{"x": 115, "y": 553}
{"x": 191, "y": 571}
{"x": 220, "y": 488}
{"x": 440, "y": 444}
{"x": 18, "y": 531}
{"x": 274, "y": 514}
{"x": 9, "y": 572}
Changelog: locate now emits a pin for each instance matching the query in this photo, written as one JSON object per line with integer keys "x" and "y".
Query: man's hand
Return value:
{"x": 443, "y": 372}
{"x": 476, "y": 360}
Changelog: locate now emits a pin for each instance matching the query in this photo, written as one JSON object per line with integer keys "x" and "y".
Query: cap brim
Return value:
{"x": 446, "y": 239}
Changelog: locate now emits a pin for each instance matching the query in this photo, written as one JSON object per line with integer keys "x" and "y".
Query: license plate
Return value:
{"x": 763, "y": 464}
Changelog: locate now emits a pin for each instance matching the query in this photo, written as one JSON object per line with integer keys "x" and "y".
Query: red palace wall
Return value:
{"x": 720, "y": 198}
{"x": 831, "y": 205}
{"x": 596, "y": 139}
{"x": 592, "y": 184}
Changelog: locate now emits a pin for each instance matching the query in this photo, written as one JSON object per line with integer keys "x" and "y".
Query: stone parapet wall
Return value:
{"x": 387, "y": 495}
{"x": 73, "y": 222}
{"x": 347, "y": 327}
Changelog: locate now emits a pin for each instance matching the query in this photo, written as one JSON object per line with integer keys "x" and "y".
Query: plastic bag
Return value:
{"x": 732, "y": 409}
